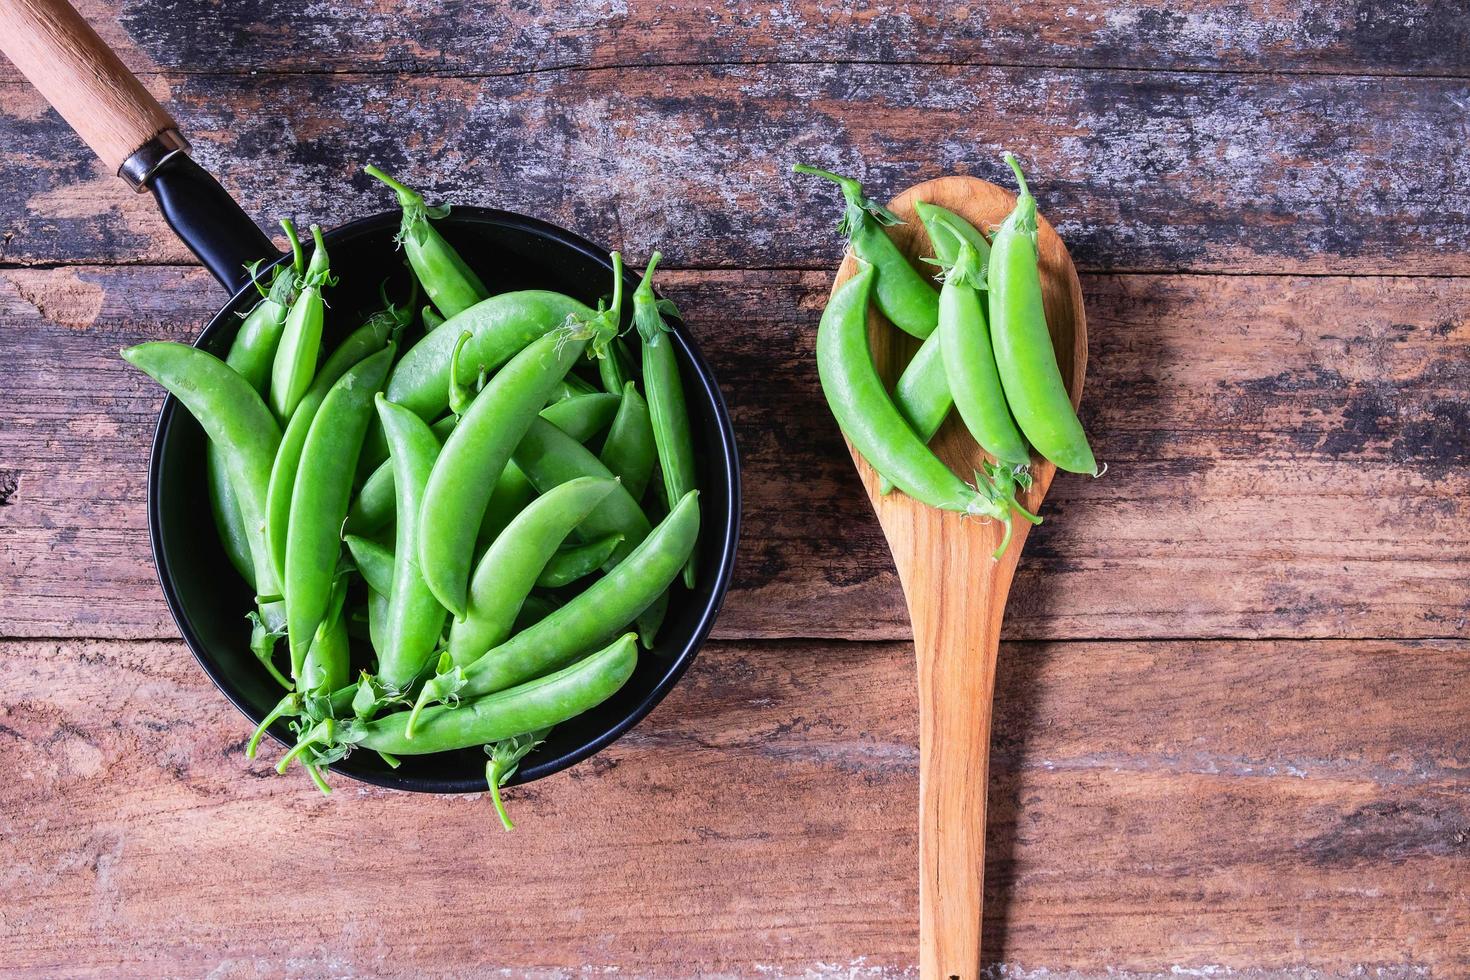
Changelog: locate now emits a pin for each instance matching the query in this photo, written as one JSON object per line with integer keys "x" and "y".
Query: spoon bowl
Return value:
{"x": 956, "y": 592}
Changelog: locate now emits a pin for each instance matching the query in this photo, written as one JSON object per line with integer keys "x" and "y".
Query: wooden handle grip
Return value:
{"x": 78, "y": 74}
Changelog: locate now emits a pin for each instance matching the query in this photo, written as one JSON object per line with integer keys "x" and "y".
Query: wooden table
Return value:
{"x": 1233, "y": 734}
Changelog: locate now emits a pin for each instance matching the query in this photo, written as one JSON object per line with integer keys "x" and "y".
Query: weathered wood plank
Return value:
{"x": 468, "y": 37}
{"x": 1139, "y": 170}
{"x": 1157, "y": 808}
{"x": 1288, "y": 459}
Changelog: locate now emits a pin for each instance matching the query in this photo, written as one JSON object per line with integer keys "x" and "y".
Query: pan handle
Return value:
{"x": 129, "y": 131}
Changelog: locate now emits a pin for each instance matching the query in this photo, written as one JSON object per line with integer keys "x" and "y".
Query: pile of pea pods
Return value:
{"x": 986, "y": 352}
{"x": 501, "y": 529}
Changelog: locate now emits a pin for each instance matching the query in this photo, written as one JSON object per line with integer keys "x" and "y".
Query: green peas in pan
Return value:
{"x": 666, "y": 406}
{"x": 477, "y": 450}
{"x": 301, "y": 338}
{"x": 904, "y": 296}
{"x": 511, "y": 566}
{"x": 630, "y": 452}
{"x": 922, "y": 393}
{"x": 596, "y": 614}
{"x": 969, "y": 362}
{"x": 576, "y": 562}
{"x": 361, "y": 343}
{"x": 1023, "y": 349}
{"x": 415, "y": 617}
{"x": 236, "y": 420}
{"x": 251, "y": 354}
{"x": 869, "y": 418}
{"x": 319, "y": 498}
{"x": 582, "y": 416}
{"x": 549, "y": 457}
{"x": 540, "y": 703}
{"x": 499, "y": 328}
{"x": 449, "y": 281}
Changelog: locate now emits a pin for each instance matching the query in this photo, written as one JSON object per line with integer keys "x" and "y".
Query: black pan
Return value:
{"x": 102, "y": 101}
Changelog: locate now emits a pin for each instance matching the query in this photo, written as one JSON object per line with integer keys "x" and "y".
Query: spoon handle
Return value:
{"x": 956, "y": 599}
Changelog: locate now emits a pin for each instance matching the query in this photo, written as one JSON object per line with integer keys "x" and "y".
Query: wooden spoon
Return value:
{"x": 956, "y": 592}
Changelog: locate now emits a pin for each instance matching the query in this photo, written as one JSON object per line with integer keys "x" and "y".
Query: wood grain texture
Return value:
{"x": 484, "y": 37}
{"x": 1287, "y": 459}
{"x": 1145, "y": 171}
{"x": 1159, "y": 809}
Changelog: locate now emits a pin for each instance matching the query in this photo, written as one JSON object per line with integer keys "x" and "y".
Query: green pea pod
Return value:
{"x": 374, "y": 562}
{"x": 650, "y": 620}
{"x": 630, "y": 452}
{"x": 570, "y": 387}
{"x": 616, "y": 369}
{"x": 499, "y": 327}
{"x": 533, "y": 610}
{"x": 513, "y": 493}
{"x": 667, "y": 409}
{"x": 301, "y": 337}
{"x": 373, "y": 508}
{"x": 250, "y": 354}
{"x": 361, "y": 343}
{"x": 235, "y": 419}
{"x": 432, "y": 318}
{"x": 319, "y": 498}
{"x": 903, "y": 295}
{"x": 415, "y": 617}
{"x": 327, "y": 664}
{"x": 537, "y": 704}
{"x": 969, "y": 363}
{"x": 509, "y": 569}
{"x": 449, "y": 281}
{"x": 582, "y": 416}
{"x": 598, "y": 613}
{"x": 869, "y": 418}
{"x": 475, "y": 455}
{"x": 378, "y": 621}
{"x": 576, "y": 562}
{"x": 1023, "y": 349}
{"x": 922, "y": 393}
{"x": 549, "y": 457}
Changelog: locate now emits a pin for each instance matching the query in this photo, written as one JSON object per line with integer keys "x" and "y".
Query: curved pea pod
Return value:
{"x": 235, "y": 419}
{"x": 598, "y": 613}
{"x": 538, "y": 704}
{"x": 361, "y": 343}
{"x": 922, "y": 392}
{"x": 415, "y": 617}
{"x": 319, "y": 498}
{"x": 374, "y": 562}
{"x": 513, "y": 493}
{"x": 251, "y": 354}
{"x": 668, "y": 412}
{"x": 510, "y": 567}
{"x": 651, "y": 620}
{"x": 446, "y": 277}
{"x": 571, "y": 564}
{"x": 499, "y": 328}
{"x": 549, "y": 457}
{"x": 582, "y": 416}
{"x": 474, "y": 456}
{"x": 301, "y": 338}
{"x": 903, "y": 295}
{"x": 1024, "y": 354}
{"x": 630, "y": 452}
{"x": 327, "y": 659}
{"x": 969, "y": 363}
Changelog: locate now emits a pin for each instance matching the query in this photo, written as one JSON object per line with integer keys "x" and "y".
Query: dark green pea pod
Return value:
{"x": 374, "y": 562}
{"x": 1024, "y": 353}
{"x": 570, "y": 387}
{"x": 533, "y": 610}
{"x": 415, "y": 617}
{"x": 596, "y": 614}
{"x": 513, "y": 493}
{"x": 327, "y": 660}
{"x": 432, "y": 318}
{"x": 630, "y": 452}
{"x": 574, "y": 563}
{"x": 650, "y": 620}
{"x": 582, "y": 416}
{"x": 616, "y": 369}
{"x": 902, "y": 293}
{"x": 294, "y": 365}
{"x": 319, "y": 498}
{"x": 372, "y": 509}
{"x": 667, "y": 409}
{"x": 549, "y": 457}
{"x": 446, "y": 277}
{"x": 363, "y": 342}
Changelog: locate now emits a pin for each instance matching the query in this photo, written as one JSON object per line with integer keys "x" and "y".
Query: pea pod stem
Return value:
{"x": 447, "y": 278}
